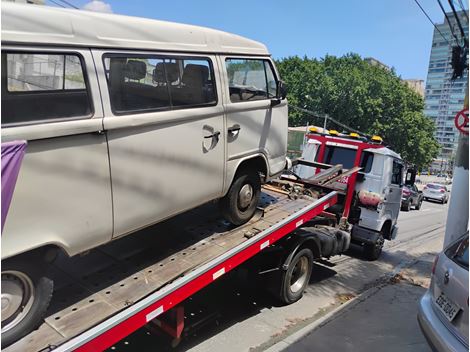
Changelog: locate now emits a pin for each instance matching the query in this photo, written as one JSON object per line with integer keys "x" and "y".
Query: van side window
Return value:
{"x": 397, "y": 173}
{"x": 250, "y": 79}
{"x": 41, "y": 86}
{"x": 150, "y": 83}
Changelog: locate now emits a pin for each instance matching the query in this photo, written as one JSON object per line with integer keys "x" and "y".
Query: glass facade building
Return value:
{"x": 445, "y": 97}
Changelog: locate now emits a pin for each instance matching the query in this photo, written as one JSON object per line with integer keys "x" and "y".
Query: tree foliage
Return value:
{"x": 363, "y": 96}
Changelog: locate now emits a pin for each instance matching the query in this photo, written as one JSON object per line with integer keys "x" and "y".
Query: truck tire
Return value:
{"x": 26, "y": 294}
{"x": 372, "y": 251}
{"x": 295, "y": 279}
{"x": 239, "y": 204}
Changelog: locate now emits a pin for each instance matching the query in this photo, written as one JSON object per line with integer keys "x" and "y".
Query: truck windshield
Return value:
{"x": 345, "y": 156}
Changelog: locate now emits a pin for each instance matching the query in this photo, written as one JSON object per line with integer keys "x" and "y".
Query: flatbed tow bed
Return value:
{"x": 104, "y": 296}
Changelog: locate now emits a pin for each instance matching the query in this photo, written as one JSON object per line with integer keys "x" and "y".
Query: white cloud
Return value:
{"x": 98, "y": 6}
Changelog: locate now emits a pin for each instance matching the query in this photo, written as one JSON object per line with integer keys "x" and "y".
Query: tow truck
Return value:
{"x": 107, "y": 294}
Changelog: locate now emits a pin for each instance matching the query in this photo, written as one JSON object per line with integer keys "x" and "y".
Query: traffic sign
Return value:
{"x": 461, "y": 121}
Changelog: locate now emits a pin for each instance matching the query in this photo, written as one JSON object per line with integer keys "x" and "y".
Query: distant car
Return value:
{"x": 411, "y": 196}
{"x": 443, "y": 310}
{"x": 435, "y": 191}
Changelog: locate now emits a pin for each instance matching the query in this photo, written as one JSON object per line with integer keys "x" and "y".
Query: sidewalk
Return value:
{"x": 383, "y": 319}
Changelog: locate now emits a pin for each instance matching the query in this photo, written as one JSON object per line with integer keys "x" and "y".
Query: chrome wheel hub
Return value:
{"x": 299, "y": 275}
{"x": 17, "y": 298}
{"x": 245, "y": 196}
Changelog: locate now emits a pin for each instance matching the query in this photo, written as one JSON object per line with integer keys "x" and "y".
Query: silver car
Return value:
{"x": 443, "y": 310}
{"x": 435, "y": 191}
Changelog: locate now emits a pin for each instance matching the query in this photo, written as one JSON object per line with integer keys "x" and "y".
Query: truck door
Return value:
{"x": 392, "y": 200}
{"x": 410, "y": 176}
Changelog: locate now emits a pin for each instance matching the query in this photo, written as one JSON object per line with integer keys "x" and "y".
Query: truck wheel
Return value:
{"x": 26, "y": 294}
{"x": 239, "y": 204}
{"x": 372, "y": 251}
{"x": 418, "y": 206}
{"x": 295, "y": 279}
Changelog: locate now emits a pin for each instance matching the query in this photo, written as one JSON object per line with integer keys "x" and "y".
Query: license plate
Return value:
{"x": 447, "y": 307}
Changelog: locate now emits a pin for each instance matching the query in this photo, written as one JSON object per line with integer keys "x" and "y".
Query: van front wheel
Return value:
{"x": 239, "y": 204}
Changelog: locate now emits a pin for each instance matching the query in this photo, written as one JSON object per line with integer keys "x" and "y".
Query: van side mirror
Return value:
{"x": 281, "y": 90}
{"x": 281, "y": 93}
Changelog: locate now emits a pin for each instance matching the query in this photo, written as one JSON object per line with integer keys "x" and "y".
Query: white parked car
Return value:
{"x": 129, "y": 121}
{"x": 443, "y": 310}
{"x": 435, "y": 191}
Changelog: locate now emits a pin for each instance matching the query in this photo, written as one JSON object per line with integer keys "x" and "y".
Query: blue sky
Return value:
{"x": 394, "y": 31}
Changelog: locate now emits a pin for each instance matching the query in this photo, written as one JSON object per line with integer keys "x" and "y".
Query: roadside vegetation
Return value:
{"x": 365, "y": 97}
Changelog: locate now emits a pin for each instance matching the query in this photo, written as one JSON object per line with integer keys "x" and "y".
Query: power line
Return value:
{"x": 448, "y": 21}
{"x": 69, "y": 4}
{"x": 429, "y": 18}
{"x": 462, "y": 33}
{"x": 463, "y": 9}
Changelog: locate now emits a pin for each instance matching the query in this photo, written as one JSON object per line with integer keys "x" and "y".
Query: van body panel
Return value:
{"x": 63, "y": 191}
{"x": 62, "y": 196}
{"x": 162, "y": 162}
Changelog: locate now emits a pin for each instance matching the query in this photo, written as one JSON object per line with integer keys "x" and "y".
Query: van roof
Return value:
{"x": 36, "y": 24}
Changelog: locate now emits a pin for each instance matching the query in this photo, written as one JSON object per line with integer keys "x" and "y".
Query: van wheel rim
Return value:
{"x": 299, "y": 275}
{"x": 245, "y": 196}
{"x": 17, "y": 298}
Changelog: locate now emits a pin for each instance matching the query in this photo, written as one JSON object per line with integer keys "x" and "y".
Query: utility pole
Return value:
{"x": 457, "y": 215}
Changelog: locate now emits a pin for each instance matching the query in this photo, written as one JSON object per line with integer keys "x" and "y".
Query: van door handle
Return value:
{"x": 214, "y": 135}
{"x": 234, "y": 130}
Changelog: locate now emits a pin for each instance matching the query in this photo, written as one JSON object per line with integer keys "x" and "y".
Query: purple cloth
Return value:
{"x": 12, "y": 155}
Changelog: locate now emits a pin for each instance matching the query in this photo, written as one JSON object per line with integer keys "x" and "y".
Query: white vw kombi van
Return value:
{"x": 129, "y": 121}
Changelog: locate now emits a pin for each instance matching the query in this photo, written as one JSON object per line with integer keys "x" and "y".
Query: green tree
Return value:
{"x": 363, "y": 96}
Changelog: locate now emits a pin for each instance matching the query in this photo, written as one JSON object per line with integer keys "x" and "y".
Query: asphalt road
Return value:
{"x": 231, "y": 316}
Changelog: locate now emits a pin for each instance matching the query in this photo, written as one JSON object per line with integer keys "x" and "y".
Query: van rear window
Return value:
{"x": 150, "y": 83}
{"x": 43, "y": 86}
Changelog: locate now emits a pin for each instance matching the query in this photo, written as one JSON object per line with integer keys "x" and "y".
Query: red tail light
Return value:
{"x": 442, "y": 191}
{"x": 406, "y": 192}
{"x": 434, "y": 264}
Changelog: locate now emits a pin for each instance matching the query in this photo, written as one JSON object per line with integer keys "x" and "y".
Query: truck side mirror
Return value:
{"x": 360, "y": 177}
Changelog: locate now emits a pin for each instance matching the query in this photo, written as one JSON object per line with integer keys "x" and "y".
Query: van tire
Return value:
{"x": 23, "y": 272}
{"x": 239, "y": 204}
